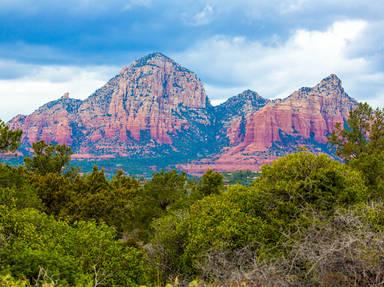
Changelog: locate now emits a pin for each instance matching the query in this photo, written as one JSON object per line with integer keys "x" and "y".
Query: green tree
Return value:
{"x": 94, "y": 182}
{"x": 166, "y": 188}
{"x": 88, "y": 197}
{"x": 280, "y": 202}
{"x": 122, "y": 181}
{"x": 22, "y": 197}
{"x": 48, "y": 158}
{"x": 16, "y": 190}
{"x": 8, "y": 281}
{"x": 167, "y": 245}
{"x": 211, "y": 183}
{"x": 82, "y": 254}
{"x": 164, "y": 192}
{"x": 221, "y": 223}
{"x": 12, "y": 176}
{"x": 361, "y": 144}
{"x": 243, "y": 177}
{"x": 55, "y": 190}
{"x": 9, "y": 139}
{"x": 185, "y": 239}
{"x": 303, "y": 180}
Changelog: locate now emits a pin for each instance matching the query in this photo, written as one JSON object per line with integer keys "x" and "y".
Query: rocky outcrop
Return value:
{"x": 142, "y": 100}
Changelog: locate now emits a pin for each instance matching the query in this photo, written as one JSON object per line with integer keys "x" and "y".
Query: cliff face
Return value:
{"x": 307, "y": 113}
{"x": 147, "y": 105}
{"x": 156, "y": 108}
{"x": 142, "y": 99}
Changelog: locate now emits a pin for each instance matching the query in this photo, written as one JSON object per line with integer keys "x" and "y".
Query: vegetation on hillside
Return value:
{"x": 305, "y": 220}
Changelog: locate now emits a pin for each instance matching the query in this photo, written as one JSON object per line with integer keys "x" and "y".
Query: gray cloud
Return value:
{"x": 272, "y": 46}
{"x": 32, "y": 86}
{"x": 302, "y": 60}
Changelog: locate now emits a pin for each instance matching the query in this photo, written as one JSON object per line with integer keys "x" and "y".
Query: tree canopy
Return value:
{"x": 48, "y": 158}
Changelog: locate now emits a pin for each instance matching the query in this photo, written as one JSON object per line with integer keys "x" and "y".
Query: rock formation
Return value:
{"x": 306, "y": 117}
{"x": 149, "y": 104}
{"x": 156, "y": 108}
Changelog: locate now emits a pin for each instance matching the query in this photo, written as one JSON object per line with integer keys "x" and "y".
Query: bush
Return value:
{"x": 70, "y": 255}
{"x": 304, "y": 180}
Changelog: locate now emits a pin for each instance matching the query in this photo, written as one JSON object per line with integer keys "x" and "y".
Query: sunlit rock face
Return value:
{"x": 144, "y": 97}
{"x": 308, "y": 113}
{"x": 51, "y": 122}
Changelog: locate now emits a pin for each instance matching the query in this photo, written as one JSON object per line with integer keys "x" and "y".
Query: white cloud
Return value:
{"x": 276, "y": 71}
{"x": 311, "y": 8}
{"x": 292, "y": 6}
{"x": 42, "y": 84}
{"x": 203, "y": 17}
{"x": 218, "y": 94}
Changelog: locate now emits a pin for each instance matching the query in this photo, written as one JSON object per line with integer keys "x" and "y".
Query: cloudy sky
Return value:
{"x": 49, "y": 47}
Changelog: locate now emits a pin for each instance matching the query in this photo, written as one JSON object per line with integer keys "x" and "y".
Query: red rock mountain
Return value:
{"x": 156, "y": 108}
{"x": 304, "y": 118}
{"x": 148, "y": 105}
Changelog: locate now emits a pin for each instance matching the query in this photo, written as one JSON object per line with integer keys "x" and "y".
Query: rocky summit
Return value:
{"x": 155, "y": 108}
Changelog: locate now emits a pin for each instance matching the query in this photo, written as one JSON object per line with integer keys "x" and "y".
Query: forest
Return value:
{"x": 305, "y": 220}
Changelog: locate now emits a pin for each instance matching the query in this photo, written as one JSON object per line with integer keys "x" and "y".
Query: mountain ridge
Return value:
{"x": 157, "y": 108}
{"x": 304, "y": 118}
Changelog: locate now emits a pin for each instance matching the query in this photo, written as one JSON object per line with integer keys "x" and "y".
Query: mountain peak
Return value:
{"x": 156, "y": 55}
{"x": 243, "y": 103}
{"x": 332, "y": 77}
{"x": 65, "y": 96}
{"x": 332, "y": 81}
{"x": 249, "y": 94}
{"x": 154, "y": 59}
{"x": 148, "y": 59}
{"x": 330, "y": 85}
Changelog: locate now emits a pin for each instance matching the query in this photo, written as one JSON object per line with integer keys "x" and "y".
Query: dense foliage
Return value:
{"x": 9, "y": 139}
{"x": 361, "y": 144}
{"x": 305, "y": 220}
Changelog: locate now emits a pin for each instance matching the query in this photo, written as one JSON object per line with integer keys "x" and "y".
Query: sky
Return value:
{"x": 274, "y": 47}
